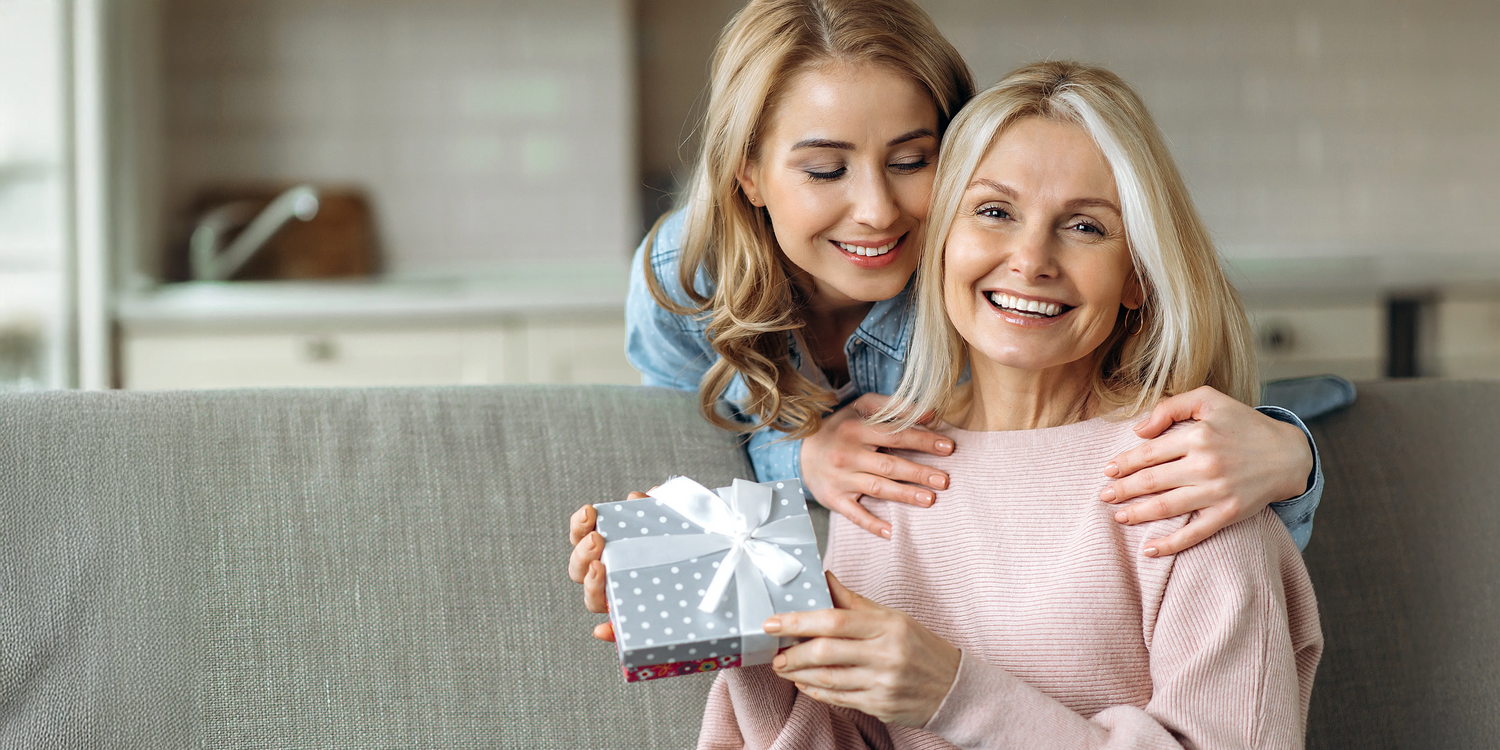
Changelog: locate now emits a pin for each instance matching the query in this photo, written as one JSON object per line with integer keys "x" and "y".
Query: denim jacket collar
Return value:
{"x": 888, "y": 325}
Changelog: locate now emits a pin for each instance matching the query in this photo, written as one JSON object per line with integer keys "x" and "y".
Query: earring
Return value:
{"x": 1140, "y": 321}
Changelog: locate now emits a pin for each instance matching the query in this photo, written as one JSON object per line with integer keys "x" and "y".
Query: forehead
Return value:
{"x": 862, "y": 103}
{"x": 1049, "y": 159}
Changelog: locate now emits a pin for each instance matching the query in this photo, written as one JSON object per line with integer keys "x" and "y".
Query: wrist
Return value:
{"x": 949, "y": 660}
{"x": 1298, "y": 477}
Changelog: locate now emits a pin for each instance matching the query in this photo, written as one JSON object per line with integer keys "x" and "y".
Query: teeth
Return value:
{"x": 869, "y": 252}
{"x": 1044, "y": 309}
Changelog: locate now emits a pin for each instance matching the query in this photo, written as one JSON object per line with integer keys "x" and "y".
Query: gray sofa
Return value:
{"x": 385, "y": 568}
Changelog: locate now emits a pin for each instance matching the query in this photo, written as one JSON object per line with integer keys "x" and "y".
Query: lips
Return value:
{"x": 1026, "y": 308}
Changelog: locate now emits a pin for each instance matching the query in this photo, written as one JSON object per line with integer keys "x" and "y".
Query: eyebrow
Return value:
{"x": 847, "y": 146}
{"x": 1011, "y": 193}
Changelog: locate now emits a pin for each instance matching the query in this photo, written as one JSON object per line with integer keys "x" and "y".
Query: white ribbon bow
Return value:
{"x": 735, "y": 521}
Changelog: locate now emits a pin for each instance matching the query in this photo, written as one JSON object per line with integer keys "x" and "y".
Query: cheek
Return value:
{"x": 794, "y": 216}
{"x": 914, "y": 195}
{"x": 961, "y": 268}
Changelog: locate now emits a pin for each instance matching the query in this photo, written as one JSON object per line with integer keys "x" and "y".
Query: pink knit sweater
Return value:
{"x": 1070, "y": 637}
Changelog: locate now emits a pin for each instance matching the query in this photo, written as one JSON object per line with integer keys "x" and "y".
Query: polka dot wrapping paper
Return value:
{"x": 659, "y": 627}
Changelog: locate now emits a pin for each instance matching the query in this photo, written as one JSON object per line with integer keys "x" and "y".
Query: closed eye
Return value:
{"x": 827, "y": 176}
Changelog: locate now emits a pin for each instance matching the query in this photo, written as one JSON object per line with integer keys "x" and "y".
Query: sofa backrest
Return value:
{"x": 385, "y": 568}
{"x": 329, "y": 568}
{"x": 1405, "y": 559}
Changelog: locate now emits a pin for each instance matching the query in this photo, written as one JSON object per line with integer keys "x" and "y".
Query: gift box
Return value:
{"x": 693, "y": 573}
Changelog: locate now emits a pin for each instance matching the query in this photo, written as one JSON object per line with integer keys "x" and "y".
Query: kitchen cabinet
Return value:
{"x": 545, "y": 323}
{"x": 579, "y": 350}
{"x": 1343, "y": 337}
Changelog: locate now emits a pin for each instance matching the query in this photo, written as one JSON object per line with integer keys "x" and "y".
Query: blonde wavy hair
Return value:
{"x": 750, "y": 305}
{"x": 1192, "y": 327}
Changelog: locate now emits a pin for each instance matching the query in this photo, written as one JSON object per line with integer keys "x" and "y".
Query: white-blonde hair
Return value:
{"x": 1192, "y": 326}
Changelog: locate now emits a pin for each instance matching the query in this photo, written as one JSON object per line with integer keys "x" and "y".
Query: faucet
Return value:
{"x": 210, "y": 263}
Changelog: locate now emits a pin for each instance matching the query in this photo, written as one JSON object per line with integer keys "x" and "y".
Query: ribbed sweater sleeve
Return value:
{"x": 751, "y": 707}
{"x": 1229, "y": 667}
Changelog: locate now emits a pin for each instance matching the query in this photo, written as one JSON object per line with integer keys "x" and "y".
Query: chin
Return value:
{"x": 1016, "y": 357}
{"x": 874, "y": 289}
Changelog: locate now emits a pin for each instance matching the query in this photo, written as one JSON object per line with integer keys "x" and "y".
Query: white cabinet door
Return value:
{"x": 335, "y": 358}
{"x": 578, "y": 351}
{"x": 582, "y": 350}
{"x": 1340, "y": 339}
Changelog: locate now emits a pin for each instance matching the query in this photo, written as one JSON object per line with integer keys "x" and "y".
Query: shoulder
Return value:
{"x": 1253, "y": 562}
{"x": 664, "y": 244}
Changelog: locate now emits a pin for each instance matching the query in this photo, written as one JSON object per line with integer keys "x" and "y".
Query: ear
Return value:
{"x": 746, "y": 175}
{"x": 1135, "y": 293}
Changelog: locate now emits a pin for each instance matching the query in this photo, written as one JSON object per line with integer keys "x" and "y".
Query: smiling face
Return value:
{"x": 844, "y": 168}
{"x": 1036, "y": 266}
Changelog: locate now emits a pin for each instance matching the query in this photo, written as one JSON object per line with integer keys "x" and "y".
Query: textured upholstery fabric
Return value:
{"x": 384, "y": 568}
{"x": 330, "y": 569}
{"x": 1405, "y": 558}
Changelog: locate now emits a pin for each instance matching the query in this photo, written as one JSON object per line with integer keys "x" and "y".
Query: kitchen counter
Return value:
{"x": 481, "y": 298}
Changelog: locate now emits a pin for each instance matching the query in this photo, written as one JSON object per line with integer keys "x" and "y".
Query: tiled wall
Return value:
{"x": 485, "y": 131}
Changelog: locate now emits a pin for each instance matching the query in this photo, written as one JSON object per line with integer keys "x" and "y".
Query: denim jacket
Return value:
{"x": 673, "y": 351}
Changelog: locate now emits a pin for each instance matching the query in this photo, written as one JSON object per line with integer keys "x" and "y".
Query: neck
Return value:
{"x": 1008, "y": 398}
{"x": 831, "y": 317}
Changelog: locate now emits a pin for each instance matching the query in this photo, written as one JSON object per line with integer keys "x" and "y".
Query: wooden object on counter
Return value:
{"x": 339, "y": 242}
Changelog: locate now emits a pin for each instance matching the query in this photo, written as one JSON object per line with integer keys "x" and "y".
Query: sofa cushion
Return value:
{"x": 326, "y": 568}
{"x": 1405, "y": 558}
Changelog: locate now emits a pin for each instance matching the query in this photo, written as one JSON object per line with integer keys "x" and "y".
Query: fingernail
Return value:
{"x": 944, "y": 445}
{"x": 1122, "y": 517}
{"x": 1111, "y": 469}
{"x": 1150, "y": 552}
{"x": 1108, "y": 495}
{"x": 1142, "y": 423}
{"x": 925, "y": 497}
{"x": 772, "y": 625}
{"x": 938, "y": 480}
{"x": 779, "y": 662}
{"x": 885, "y": 533}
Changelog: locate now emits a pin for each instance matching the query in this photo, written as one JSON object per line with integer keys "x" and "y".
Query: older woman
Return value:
{"x": 1067, "y": 270}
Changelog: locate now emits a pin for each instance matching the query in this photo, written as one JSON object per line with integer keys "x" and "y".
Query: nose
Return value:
{"x": 875, "y": 202}
{"x": 1032, "y": 256}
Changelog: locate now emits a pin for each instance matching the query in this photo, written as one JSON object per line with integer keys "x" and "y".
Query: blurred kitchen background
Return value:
{"x": 448, "y": 191}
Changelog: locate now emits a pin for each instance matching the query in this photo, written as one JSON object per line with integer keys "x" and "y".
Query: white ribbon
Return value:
{"x": 735, "y": 521}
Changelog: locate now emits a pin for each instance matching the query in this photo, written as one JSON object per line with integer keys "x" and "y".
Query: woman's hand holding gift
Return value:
{"x": 585, "y": 566}
{"x": 843, "y": 461}
{"x": 1227, "y": 465}
{"x": 867, "y": 657}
